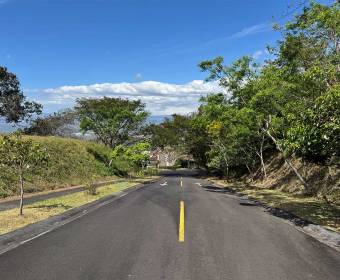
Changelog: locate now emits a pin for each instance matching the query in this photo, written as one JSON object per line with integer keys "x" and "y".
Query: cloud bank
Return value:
{"x": 160, "y": 98}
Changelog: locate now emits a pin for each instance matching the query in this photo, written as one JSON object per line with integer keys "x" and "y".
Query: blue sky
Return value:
{"x": 148, "y": 49}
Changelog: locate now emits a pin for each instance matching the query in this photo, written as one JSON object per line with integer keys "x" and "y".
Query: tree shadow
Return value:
{"x": 313, "y": 212}
{"x": 211, "y": 188}
{"x": 317, "y": 212}
{"x": 50, "y": 206}
{"x": 294, "y": 209}
{"x": 98, "y": 156}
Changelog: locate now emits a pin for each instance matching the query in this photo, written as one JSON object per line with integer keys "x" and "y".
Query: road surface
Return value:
{"x": 165, "y": 231}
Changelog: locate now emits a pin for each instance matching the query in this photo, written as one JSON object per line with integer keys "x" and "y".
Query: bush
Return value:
{"x": 91, "y": 189}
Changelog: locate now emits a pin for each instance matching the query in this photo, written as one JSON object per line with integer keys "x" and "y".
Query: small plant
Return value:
{"x": 91, "y": 189}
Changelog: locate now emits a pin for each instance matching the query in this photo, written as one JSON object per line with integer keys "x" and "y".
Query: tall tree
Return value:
{"x": 114, "y": 121}
{"x": 13, "y": 104}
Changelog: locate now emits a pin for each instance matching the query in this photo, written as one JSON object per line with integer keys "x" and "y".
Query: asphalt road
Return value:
{"x": 137, "y": 237}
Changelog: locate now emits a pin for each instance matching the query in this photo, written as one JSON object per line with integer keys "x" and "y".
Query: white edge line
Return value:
{"x": 58, "y": 225}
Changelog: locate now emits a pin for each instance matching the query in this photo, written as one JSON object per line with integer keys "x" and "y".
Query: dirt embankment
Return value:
{"x": 323, "y": 180}
{"x": 318, "y": 203}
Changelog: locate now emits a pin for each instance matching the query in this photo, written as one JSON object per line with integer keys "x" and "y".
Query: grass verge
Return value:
{"x": 309, "y": 208}
{"x": 10, "y": 220}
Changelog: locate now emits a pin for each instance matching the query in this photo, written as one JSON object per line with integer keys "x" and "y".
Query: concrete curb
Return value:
{"x": 323, "y": 235}
{"x": 14, "y": 239}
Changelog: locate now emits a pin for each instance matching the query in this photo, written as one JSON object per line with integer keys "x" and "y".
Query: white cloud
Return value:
{"x": 160, "y": 98}
{"x": 254, "y": 29}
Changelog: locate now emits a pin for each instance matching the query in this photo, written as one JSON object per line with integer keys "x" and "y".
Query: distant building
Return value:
{"x": 166, "y": 157}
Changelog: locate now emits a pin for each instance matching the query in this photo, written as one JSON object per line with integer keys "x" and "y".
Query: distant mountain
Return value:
{"x": 8, "y": 128}
{"x": 157, "y": 119}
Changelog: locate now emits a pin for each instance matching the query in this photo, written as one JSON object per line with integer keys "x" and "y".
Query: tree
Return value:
{"x": 21, "y": 155}
{"x": 57, "y": 124}
{"x": 137, "y": 155}
{"x": 114, "y": 121}
{"x": 318, "y": 137}
{"x": 172, "y": 132}
{"x": 13, "y": 104}
{"x": 182, "y": 134}
{"x": 289, "y": 103}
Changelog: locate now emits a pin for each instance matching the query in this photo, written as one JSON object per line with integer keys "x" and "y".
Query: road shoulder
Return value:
{"x": 320, "y": 233}
{"x": 23, "y": 235}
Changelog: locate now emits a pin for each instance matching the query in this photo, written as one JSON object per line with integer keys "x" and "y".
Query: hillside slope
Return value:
{"x": 319, "y": 203}
{"x": 323, "y": 180}
{"x": 71, "y": 162}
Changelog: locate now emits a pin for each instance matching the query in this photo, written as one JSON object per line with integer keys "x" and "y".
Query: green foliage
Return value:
{"x": 318, "y": 137}
{"x": 181, "y": 133}
{"x": 114, "y": 121}
{"x": 171, "y": 132}
{"x": 71, "y": 162}
{"x": 13, "y": 104}
{"x": 290, "y": 103}
{"x": 21, "y": 155}
{"x": 136, "y": 155}
{"x": 56, "y": 124}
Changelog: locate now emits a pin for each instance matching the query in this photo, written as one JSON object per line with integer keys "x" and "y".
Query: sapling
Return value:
{"x": 21, "y": 156}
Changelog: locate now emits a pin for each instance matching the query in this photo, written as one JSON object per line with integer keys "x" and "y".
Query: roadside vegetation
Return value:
{"x": 70, "y": 162}
{"x": 284, "y": 111}
{"x": 43, "y": 156}
{"x": 274, "y": 125}
{"x": 21, "y": 156}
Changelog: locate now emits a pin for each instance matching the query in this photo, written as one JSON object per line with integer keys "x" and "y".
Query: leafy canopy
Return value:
{"x": 137, "y": 155}
{"x": 13, "y": 104}
{"x": 114, "y": 121}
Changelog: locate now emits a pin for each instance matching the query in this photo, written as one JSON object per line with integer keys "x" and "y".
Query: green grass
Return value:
{"x": 310, "y": 208}
{"x": 10, "y": 220}
{"x": 72, "y": 162}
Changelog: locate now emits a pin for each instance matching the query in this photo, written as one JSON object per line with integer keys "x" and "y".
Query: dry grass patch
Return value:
{"x": 10, "y": 220}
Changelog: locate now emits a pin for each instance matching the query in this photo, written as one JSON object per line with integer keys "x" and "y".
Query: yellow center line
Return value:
{"x": 181, "y": 183}
{"x": 181, "y": 223}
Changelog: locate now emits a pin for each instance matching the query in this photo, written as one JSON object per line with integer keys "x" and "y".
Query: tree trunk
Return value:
{"x": 21, "y": 193}
{"x": 287, "y": 160}
{"x": 263, "y": 167}
{"x": 260, "y": 155}
{"x": 249, "y": 170}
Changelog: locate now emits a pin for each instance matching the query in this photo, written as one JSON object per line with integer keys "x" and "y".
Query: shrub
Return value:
{"x": 91, "y": 189}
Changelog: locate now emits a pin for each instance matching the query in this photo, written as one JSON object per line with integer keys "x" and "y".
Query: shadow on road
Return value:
{"x": 211, "y": 188}
{"x": 245, "y": 201}
{"x": 183, "y": 172}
